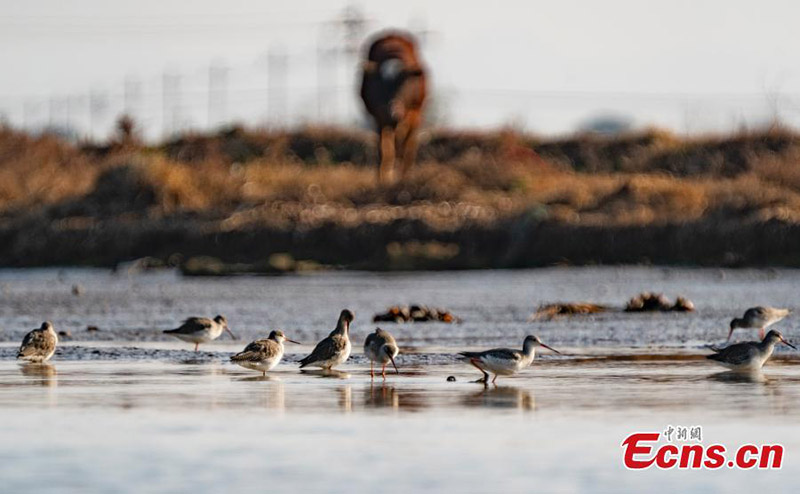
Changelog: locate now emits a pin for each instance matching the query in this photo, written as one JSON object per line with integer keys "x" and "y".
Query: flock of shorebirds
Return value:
{"x": 381, "y": 348}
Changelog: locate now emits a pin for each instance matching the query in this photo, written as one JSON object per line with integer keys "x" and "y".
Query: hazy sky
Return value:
{"x": 690, "y": 65}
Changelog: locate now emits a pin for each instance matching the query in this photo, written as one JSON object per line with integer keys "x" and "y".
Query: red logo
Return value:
{"x": 642, "y": 450}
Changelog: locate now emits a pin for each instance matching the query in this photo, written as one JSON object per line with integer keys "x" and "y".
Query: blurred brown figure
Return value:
{"x": 393, "y": 90}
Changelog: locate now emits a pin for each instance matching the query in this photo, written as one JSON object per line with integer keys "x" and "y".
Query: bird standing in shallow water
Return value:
{"x": 40, "y": 344}
{"x": 505, "y": 361}
{"x": 758, "y": 317}
{"x": 200, "y": 330}
{"x": 749, "y": 355}
{"x": 262, "y": 355}
{"x": 380, "y": 347}
{"x": 335, "y": 348}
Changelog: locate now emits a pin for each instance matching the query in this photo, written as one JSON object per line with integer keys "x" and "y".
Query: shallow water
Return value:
{"x": 127, "y": 410}
{"x": 494, "y": 305}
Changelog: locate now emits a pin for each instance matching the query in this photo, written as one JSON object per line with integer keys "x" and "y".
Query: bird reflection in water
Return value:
{"x": 43, "y": 374}
{"x": 259, "y": 378}
{"x": 271, "y": 396}
{"x": 753, "y": 376}
{"x": 329, "y": 373}
{"x": 345, "y": 398}
{"x": 383, "y": 396}
{"x": 274, "y": 395}
{"x": 501, "y": 397}
{"x": 753, "y": 389}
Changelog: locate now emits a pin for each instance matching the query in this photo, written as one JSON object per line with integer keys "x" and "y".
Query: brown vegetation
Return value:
{"x": 658, "y": 302}
{"x": 496, "y": 199}
{"x": 551, "y": 311}
{"x": 415, "y": 313}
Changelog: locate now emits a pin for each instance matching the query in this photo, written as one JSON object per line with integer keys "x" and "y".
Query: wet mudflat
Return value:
{"x": 126, "y": 410}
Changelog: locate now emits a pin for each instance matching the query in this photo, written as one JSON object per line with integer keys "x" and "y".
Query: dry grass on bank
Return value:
{"x": 41, "y": 170}
{"x": 652, "y": 177}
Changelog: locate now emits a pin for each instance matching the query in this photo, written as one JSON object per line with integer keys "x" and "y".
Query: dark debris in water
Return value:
{"x": 549, "y": 311}
{"x": 644, "y": 302}
{"x": 658, "y": 302}
{"x": 415, "y": 313}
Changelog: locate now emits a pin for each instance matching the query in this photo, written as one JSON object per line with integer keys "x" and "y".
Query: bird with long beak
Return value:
{"x": 335, "y": 348}
{"x": 749, "y": 355}
{"x": 505, "y": 361}
{"x": 201, "y": 330}
{"x": 758, "y": 317}
{"x": 263, "y": 355}
{"x": 380, "y": 348}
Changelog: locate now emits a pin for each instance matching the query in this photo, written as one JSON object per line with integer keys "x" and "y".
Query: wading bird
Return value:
{"x": 505, "y": 361}
{"x": 262, "y": 355}
{"x": 749, "y": 355}
{"x": 380, "y": 348}
{"x": 335, "y": 348}
{"x": 40, "y": 344}
{"x": 200, "y": 330}
{"x": 758, "y": 317}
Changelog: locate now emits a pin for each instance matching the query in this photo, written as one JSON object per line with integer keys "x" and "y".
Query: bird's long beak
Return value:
{"x": 783, "y": 340}
{"x": 394, "y": 365}
{"x": 231, "y": 333}
{"x": 292, "y": 341}
{"x": 551, "y": 349}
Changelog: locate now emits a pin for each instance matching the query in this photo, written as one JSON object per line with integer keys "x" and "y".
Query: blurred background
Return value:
{"x": 569, "y": 132}
{"x": 539, "y": 66}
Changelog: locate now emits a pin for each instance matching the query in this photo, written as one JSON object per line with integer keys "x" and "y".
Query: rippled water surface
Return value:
{"x": 125, "y": 409}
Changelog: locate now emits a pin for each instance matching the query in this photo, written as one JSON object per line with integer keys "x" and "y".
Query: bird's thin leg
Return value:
{"x": 383, "y": 372}
{"x": 196, "y": 346}
{"x": 485, "y": 374}
{"x": 371, "y": 372}
{"x": 495, "y": 379}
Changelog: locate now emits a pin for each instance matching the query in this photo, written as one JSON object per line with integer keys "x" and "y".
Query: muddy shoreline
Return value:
{"x": 204, "y": 247}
